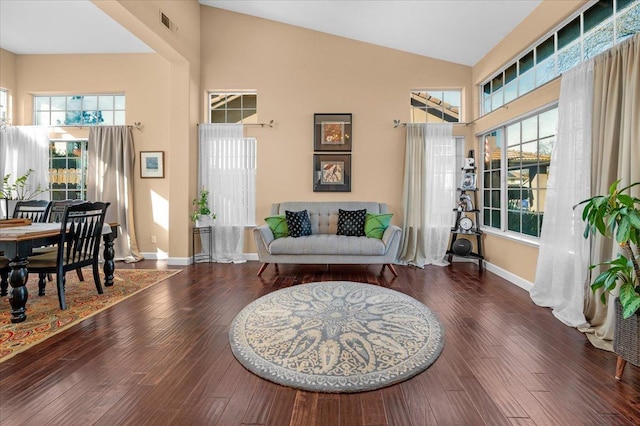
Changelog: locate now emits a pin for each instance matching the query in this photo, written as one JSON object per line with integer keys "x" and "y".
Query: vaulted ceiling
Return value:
{"x": 460, "y": 31}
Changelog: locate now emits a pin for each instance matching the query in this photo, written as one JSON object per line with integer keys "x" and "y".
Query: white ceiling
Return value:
{"x": 460, "y": 31}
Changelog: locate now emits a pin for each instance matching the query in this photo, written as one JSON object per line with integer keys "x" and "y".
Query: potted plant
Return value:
{"x": 617, "y": 216}
{"x": 202, "y": 215}
{"x": 19, "y": 189}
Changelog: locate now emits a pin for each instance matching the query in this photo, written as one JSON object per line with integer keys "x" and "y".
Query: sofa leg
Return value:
{"x": 262, "y": 268}
{"x": 392, "y": 269}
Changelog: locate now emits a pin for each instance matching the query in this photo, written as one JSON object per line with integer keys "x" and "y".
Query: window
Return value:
{"x": 435, "y": 106}
{"x": 79, "y": 110}
{"x": 233, "y": 107}
{"x": 4, "y": 106}
{"x": 591, "y": 31}
{"x": 515, "y": 172}
{"x": 68, "y": 169}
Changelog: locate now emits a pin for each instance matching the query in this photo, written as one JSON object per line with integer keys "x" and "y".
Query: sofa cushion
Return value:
{"x": 351, "y": 222}
{"x": 376, "y": 224}
{"x": 328, "y": 244}
{"x": 278, "y": 225}
{"x": 298, "y": 223}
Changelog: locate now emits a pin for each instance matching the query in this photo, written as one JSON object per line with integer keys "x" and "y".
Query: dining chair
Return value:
{"x": 36, "y": 210}
{"x": 4, "y": 275}
{"x": 78, "y": 246}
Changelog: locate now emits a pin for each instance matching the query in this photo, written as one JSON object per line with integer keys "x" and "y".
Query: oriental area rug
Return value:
{"x": 44, "y": 317}
{"x": 336, "y": 337}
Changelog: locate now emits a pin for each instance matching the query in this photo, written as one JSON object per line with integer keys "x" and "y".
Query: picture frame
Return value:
{"x": 332, "y": 132}
{"x": 468, "y": 182}
{"x": 331, "y": 172}
{"x": 151, "y": 164}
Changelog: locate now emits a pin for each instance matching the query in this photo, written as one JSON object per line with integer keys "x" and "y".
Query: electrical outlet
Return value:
{"x": 153, "y": 239}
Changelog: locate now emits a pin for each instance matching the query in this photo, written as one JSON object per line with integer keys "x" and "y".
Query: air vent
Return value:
{"x": 167, "y": 22}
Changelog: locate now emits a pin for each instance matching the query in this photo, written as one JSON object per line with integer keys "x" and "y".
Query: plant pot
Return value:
{"x": 626, "y": 339}
{"x": 204, "y": 221}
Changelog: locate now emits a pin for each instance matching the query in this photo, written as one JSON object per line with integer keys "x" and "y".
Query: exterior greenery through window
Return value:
{"x": 515, "y": 173}
{"x": 592, "y": 31}
{"x": 68, "y": 169}
{"x": 435, "y": 106}
{"x": 79, "y": 110}
{"x": 233, "y": 107}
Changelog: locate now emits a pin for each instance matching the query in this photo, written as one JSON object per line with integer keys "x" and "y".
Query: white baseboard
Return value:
{"x": 512, "y": 278}
{"x": 502, "y": 273}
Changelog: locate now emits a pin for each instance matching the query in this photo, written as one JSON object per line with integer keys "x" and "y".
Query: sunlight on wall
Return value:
{"x": 162, "y": 255}
{"x": 160, "y": 209}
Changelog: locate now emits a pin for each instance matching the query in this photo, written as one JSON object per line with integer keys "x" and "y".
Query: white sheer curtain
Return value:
{"x": 227, "y": 168}
{"x": 563, "y": 259}
{"x": 23, "y": 148}
{"x": 428, "y": 194}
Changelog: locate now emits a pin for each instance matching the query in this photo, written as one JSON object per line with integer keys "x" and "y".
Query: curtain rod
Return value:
{"x": 269, "y": 124}
{"x": 397, "y": 123}
{"x": 136, "y": 125}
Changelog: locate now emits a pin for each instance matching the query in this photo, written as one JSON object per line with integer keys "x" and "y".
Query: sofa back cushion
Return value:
{"x": 324, "y": 214}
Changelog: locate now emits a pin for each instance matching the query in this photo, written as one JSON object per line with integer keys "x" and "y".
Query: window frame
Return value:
{"x": 117, "y": 109}
{"x": 419, "y": 92}
{"x": 84, "y": 161}
{"x": 244, "y": 119}
{"x": 486, "y": 103}
{"x": 503, "y": 169}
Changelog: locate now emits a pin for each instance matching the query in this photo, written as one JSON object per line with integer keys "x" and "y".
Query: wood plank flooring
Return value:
{"x": 162, "y": 357}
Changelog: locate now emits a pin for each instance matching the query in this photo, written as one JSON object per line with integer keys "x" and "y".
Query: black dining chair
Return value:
{"x": 55, "y": 215}
{"x": 4, "y": 275}
{"x": 36, "y": 210}
{"x": 78, "y": 246}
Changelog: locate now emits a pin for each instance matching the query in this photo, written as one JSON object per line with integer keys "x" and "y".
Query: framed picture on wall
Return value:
{"x": 332, "y": 172}
{"x": 152, "y": 164}
{"x": 332, "y": 132}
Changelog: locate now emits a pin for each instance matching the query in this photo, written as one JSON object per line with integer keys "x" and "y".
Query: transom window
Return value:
{"x": 68, "y": 169}
{"x": 515, "y": 173}
{"x": 435, "y": 106}
{"x": 79, "y": 110}
{"x": 591, "y": 31}
{"x": 233, "y": 107}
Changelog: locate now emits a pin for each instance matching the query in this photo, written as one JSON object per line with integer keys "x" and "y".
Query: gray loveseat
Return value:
{"x": 323, "y": 246}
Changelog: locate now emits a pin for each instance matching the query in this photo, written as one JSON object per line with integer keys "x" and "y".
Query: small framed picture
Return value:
{"x": 468, "y": 181}
{"x": 332, "y": 173}
{"x": 152, "y": 164}
{"x": 332, "y": 132}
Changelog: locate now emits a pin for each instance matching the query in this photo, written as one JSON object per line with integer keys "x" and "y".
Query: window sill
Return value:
{"x": 508, "y": 235}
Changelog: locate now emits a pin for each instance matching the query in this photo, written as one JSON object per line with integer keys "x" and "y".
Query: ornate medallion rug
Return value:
{"x": 44, "y": 317}
{"x": 336, "y": 336}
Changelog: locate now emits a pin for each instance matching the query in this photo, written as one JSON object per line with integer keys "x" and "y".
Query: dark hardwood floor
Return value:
{"x": 162, "y": 357}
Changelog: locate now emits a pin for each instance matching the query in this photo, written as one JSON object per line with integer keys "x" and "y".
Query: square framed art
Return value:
{"x": 152, "y": 164}
{"x": 332, "y": 132}
{"x": 331, "y": 172}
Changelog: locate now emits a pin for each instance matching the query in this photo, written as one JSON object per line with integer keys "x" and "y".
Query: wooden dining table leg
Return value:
{"x": 18, "y": 295}
{"x": 109, "y": 254}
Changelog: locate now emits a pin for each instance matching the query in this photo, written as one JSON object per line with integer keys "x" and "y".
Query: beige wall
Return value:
{"x": 518, "y": 258}
{"x": 140, "y": 77}
{"x": 297, "y": 73}
{"x": 8, "y": 79}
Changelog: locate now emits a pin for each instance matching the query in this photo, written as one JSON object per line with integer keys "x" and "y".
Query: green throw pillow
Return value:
{"x": 375, "y": 224}
{"x": 278, "y": 225}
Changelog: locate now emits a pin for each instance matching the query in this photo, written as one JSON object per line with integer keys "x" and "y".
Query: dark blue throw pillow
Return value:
{"x": 298, "y": 223}
{"x": 351, "y": 222}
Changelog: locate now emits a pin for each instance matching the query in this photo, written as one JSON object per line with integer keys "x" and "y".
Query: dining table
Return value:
{"x": 17, "y": 241}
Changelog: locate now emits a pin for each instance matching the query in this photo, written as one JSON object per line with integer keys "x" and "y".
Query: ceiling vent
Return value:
{"x": 164, "y": 19}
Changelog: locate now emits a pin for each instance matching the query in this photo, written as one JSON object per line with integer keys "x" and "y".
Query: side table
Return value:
{"x": 206, "y": 239}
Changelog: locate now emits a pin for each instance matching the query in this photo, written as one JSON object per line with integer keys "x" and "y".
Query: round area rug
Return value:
{"x": 336, "y": 336}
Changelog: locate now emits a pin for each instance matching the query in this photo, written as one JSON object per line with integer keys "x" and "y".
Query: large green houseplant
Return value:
{"x": 617, "y": 216}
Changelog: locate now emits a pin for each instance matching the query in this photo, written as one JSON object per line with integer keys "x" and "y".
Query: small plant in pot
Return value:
{"x": 202, "y": 215}
{"x": 20, "y": 189}
{"x": 617, "y": 216}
